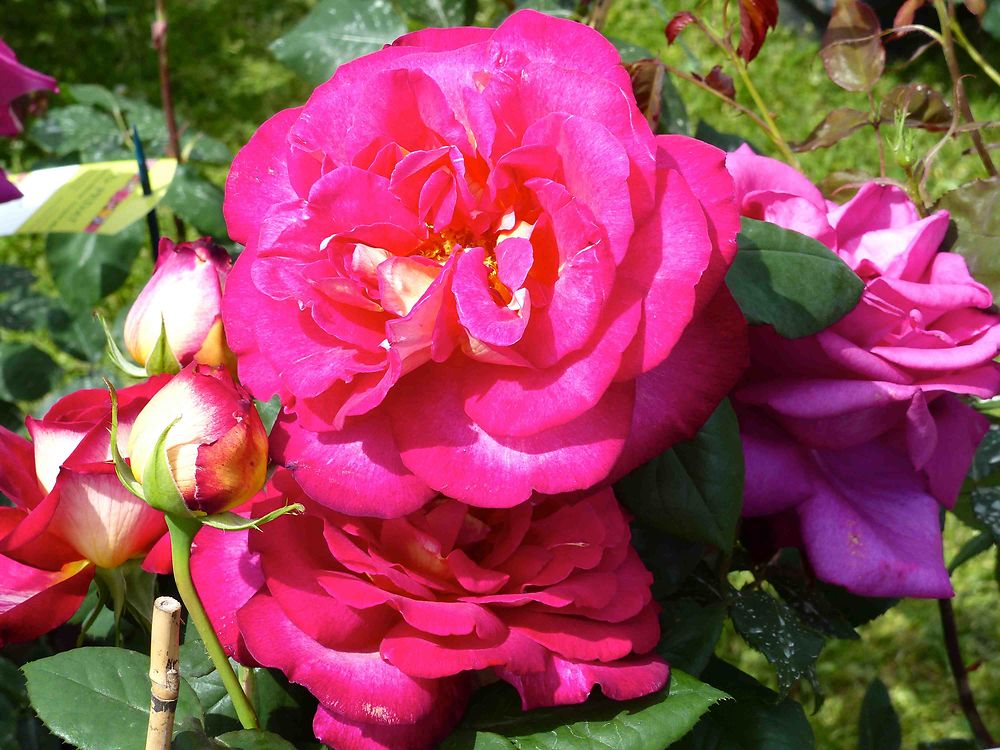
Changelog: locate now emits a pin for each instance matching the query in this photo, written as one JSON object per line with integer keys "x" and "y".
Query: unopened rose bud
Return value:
{"x": 183, "y": 298}
{"x": 216, "y": 449}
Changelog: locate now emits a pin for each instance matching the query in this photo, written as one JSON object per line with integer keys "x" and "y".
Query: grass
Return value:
{"x": 226, "y": 83}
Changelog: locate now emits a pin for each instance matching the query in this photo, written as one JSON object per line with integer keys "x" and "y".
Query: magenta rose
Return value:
{"x": 16, "y": 79}
{"x": 392, "y": 624}
{"x": 70, "y": 513}
{"x": 855, "y": 437}
{"x": 471, "y": 268}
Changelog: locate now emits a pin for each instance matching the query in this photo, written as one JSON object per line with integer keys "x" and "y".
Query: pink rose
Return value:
{"x": 184, "y": 298}
{"x": 471, "y": 268}
{"x": 16, "y": 80}
{"x": 392, "y": 624}
{"x": 216, "y": 446}
{"x": 857, "y": 434}
{"x": 70, "y": 514}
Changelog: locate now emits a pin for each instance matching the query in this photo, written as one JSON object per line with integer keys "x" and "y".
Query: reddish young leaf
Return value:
{"x": 720, "y": 82}
{"x": 647, "y": 85}
{"x": 677, "y": 24}
{"x": 852, "y": 51}
{"x": 756, "y": 18}
{"x": 837, "y": 125}
{"x": 976, "y": 7}
{"x": 904, "y": 16}
{"x": 924, "y": 107}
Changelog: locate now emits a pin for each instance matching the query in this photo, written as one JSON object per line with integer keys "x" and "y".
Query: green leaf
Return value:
{"x": 797, "y": 588}
{"x": 26, "y": 372}
{"x": 773, "y": 628}
{"x": 162, "y": 359}
{"x": 991, "y": 20}
{"x": 757, "y": 718}
{"x": 98, "y": 698}
{"x": 690, "y": 632}
{"x": 116, "y": 356}
{"x": 975, "y": 234}
{"x": 199, "y": 147}
{"x": 78, "y": 334}
{"x": 78, "y": 129}
{"x": 245, "y": 739}
{"x": 790, "y": 281}
{"x": 335, "y": 32}
{"x": 232, "y": 522}
{"x": 88, "y": 267}
{"x": 158, "y": 485}
{"x": 878, "y": 725}
{"x": 25, "y": 310}
{"x": 980, "y": 543}
{"x": 694, "y": 490}
{"x": 13, "y": 278}
{"x": 857, "y": 610}
{"x": 197, "y": 201}
{"x": 122, "y": 469}
{"x": 986, "y": 509}
{"x": 495, "y": 720}
{"x": 268, "y": 411}
{"x": 836, "y": 126}
{"x": 557, "y": 8}
{"x": 440, "y": 12}
{"x": 725, "y": 141}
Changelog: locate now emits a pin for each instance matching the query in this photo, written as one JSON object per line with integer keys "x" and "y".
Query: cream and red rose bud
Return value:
{"x": 184, "y": 298}
{"x": 855, "y": 437}
{"x": 392, "y": 624}
{"x": 70, "y": 513}
{"x": 217, "y": 447}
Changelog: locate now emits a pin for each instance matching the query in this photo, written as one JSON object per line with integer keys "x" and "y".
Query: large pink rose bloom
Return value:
{"x": 70, "y": 513}
{"x": 857, "y": 435}
{"x": 392, "y": 624}
{"x": 471, "y": 268}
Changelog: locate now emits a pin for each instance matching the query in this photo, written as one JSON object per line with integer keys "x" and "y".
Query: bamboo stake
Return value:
{"x": 164, "y": 672}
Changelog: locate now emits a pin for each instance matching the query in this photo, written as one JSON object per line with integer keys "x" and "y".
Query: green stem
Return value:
{"x": 182, "y": 531}
{"x": 772, "y": 127}
{"x": 971, "y": 51}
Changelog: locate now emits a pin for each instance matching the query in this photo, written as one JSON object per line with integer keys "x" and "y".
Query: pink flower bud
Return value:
{"x": 184, "y": 297}
{"x": 216, "y": 449}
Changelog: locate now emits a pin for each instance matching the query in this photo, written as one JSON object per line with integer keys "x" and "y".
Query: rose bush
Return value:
{"x": 471, "y": 268}
{"x": 70, "y": 513}
{"x": 183, "y": 299}
{"x": 854, "y": 438}
{"x": 389, "y": 623}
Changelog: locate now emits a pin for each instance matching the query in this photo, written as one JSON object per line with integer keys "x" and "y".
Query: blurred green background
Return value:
{"x": 226, "y": 82}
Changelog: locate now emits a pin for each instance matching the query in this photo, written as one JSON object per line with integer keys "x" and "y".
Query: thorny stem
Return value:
{"x": 961, "y": 103}
{"x": 764, "y": 120}
{"x": 173, "y": 136}
{"x": 182, "y": 533}
{"x": 958, "y": 671}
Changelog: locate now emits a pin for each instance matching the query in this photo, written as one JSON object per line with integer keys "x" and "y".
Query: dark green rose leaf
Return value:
{"x": 495, "y": 721}
{"x": 98, "y": 698}
{"x": 695, "y": 490}
{"x": 773, "y": 628}
{"x": 790, "y": 281}
{"x": 26, "y": 372}
{"x": 197, "y": 201}
{"x": 335, "y": 32}
{"x": 878, "y": 725}
{"x": 756, "y": 719}
{"x": 440, "y": 12}
{"x": 88, "y": 267}
{"x": 79, "y": 129}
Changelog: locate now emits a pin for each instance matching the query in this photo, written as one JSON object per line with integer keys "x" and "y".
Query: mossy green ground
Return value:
{"x": 226, "y": 83}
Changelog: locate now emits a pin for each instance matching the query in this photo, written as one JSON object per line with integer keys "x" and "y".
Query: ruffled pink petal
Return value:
{"x": 483, "y": 316}
{"x": 441, "y": 40}
{"x": 18, "y": 481}
{"x": 779, "y": 472}
{"x": 34, "y": 601}
{"x": 17, "y": 79}
{"x": 227, "y": 575}
{"x": 565, "y": 681}
{"x": 258, "y": 178}
{"x": 356, "y": 470}
{"x": 752, "y": 173}
{"x": 8, "y": 192}
{"x": 452, "y": 454}
{"x": 705, "y": 364}
{"x": 871, "y": 525}
{"x": 960, "y": 428}
{"x": 336, "y": 730}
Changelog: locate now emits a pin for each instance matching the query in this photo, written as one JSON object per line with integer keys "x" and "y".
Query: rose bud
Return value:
{"x": 216, "y": 445}
{"x": 184, "y": 299}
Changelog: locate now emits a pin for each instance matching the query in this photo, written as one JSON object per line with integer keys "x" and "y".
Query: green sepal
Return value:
{"x": 115, "y": 354}
{"x": 232, "y": 522}
{"x": 162, "y": 359}
{"x": 122, "y": 468}
{"x": 158, "y": 483}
